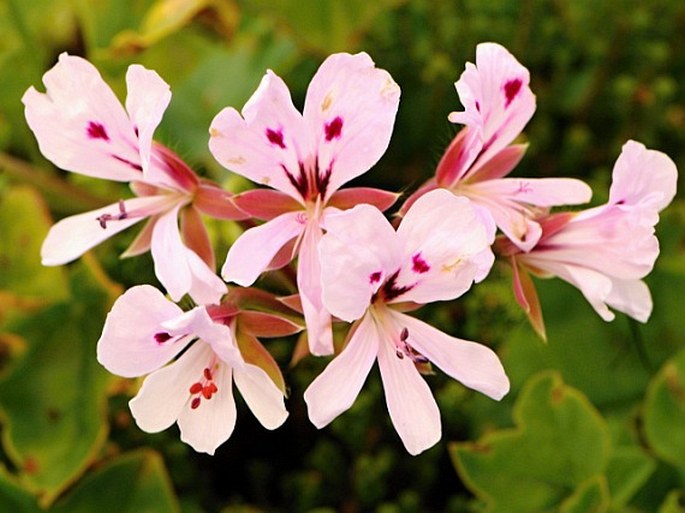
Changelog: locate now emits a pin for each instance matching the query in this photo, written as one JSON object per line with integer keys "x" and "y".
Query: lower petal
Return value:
{"x": 631, "y": 297}
{"x": 336, "y": 388}
{"x": 413, "y": 410}
{"x": 165, "y": 393}
{"x": 317, "y": 318}
{"x": 210, "y": 424}
{"x": 470, "y": 363}
{"x": 262, "y": 396}
{"x": 251, "y": 254}
{"x": 71, "y": 237}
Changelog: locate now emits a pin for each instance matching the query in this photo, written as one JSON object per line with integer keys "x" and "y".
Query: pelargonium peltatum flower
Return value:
{"x": 369, "y": 271}
{"x": 498, "y": 104}
{"x": 81, "y": 126}
{"x": 348, "y": 117}
{"x": 144, "y": 331}
{"x": 603, "y": 251}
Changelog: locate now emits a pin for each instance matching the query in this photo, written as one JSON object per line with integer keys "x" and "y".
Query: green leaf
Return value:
{"x": 591, "y": 496}
{"x": 674, "y": 502}
{"x": 53, "y": 403}
{"x": 664, "y": 415}
{"x": 628, "y": 470}
{"x": 326, "y": 26}
{"x": 133, "y": 483}
{"x": 24, "y": 282}
{"x": 560, "y": 441}
{"x": 13, "y": 498}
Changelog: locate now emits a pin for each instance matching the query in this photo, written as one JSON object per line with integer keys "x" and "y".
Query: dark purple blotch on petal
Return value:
{"x": 511, "y": 89}
{"x": 390, "y": 290}
{"x": 300, "y": 182}
{"x": 333, "y": 129}
{"x": 162, "y": 337}
{"x": 419, "y": 265}
{"x": 275, "y": 137}
{"x": 97, "y": 130}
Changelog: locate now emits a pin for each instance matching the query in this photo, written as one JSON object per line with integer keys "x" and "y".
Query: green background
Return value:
{"x": 595, "y": 421}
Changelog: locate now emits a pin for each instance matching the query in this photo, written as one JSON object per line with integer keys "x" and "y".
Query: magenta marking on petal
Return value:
{"x": 300, "y": 183}
{"x": 477, "y": 106}
{"x": 390, "y": 290}
{"x": 334, "y": 128}
{"x": 419, "y": 265}
{"x": 375, "y": 277}
{"x": 162, "y": 337}
{"x": 135, "y": 166}
{"x": 322, "y": 180}
{"x": 97, "y": 130}
{"x": 275, "y": 137}
{"x": 511, "y": 89}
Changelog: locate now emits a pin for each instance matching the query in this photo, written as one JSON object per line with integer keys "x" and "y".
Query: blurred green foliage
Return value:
{"x": 594, "y": 421}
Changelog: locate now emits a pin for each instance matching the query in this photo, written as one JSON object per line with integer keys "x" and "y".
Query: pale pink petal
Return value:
{"x": 350, "y": 111}
{"x": 69, "y": 238}
{"x": 643, "y": 177}
{"x": 631, "y": 297}
{"x": 473, "y": 364}
{"x": 428, "y": 186}
{"x": 497, "y": 99}
{"x": 165, "y": 392}
{"x": 358, "y": 251}
{"x": 269, "y": 145}
{"x": 336, "y": 388}
{"x": 133, "y": 340}
{"x": 206, "y": 288}
{"x": 217, "y": 336}
{"x": 441, "y": 234}
{"x": 542, "y": 192}
{"x": 147, "y": 99}
{"x": 262, "y": 396}
{"x": 250, "y": 255}
{"x": 595, "y": 286}
{"x": 168, "y": 253}
{"x": 411, "y": 405}
{"x": 208, "y": 426}
{"x": 317, "y": 318}
{"x": 80, "y": 125}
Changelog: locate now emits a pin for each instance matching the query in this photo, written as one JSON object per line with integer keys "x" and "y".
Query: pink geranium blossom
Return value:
{"x": 498, "y": 104}
{"x": 144, "y": 332}
{"x": 369, "y": 269}
{"x": 81, "y": 126}
{"x": 605, "y": 251}
{"x": 348, "y": 117}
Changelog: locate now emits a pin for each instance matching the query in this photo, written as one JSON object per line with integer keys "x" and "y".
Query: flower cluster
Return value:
{"x": 353, "y": 266}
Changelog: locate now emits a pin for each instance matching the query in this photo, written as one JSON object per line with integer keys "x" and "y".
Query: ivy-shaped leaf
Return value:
{"x": 664, "y": 417}
{"x": 559, "y": 443}
{"x": 133, "y": 483}
{"x": 53, "y": 400}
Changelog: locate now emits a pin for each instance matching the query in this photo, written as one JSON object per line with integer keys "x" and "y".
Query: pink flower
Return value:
{"x": 348, "y": 117}
{"x": 498, "y": 104}
{"x": 81, "y": 126}
{"x": 606, "y": 251}
{"x": 144, "y": 331}
{"x": 368, "y": 271}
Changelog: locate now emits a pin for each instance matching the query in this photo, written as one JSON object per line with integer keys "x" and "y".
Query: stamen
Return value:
{"x": 104, "y": 218}
{"x": 203, "y": 389}
{"x": 408, "y": 350}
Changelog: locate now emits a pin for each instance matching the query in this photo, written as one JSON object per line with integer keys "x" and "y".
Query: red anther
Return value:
{"x": 207, "y": 392}
{"x": 196, "y": 388}
{"x": 399, "y": 354}
{"x": 213, "y": 388}
{"x": 404, "y": 335}
{"x": 208, "y": 374}
{"x": 195, "y": 403}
